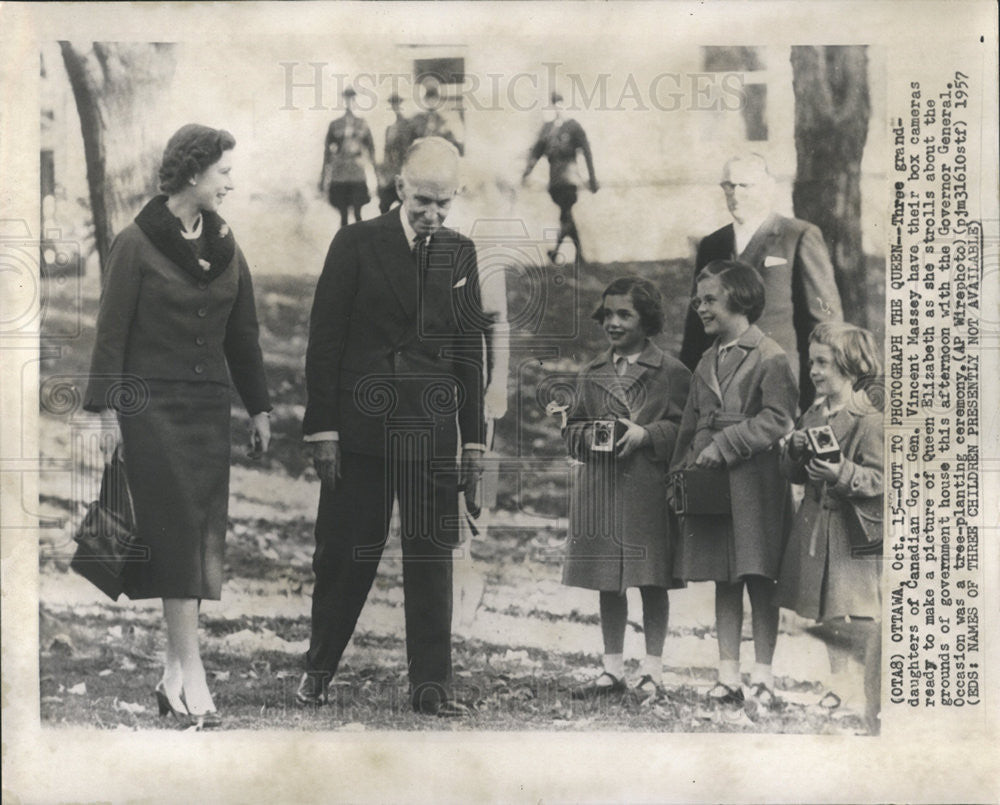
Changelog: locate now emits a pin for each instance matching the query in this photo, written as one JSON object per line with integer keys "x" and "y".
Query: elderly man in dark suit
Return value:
{"x": 394, "y": 379}
{"x": 791, "y": 258}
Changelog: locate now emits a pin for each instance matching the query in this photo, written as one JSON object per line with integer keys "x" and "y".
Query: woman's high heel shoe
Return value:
{"x": 209, "y": 720}
{"x": 166, "y": 706}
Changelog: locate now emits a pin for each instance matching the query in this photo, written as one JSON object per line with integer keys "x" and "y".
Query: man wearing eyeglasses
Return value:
{"x": 789, "y": 254}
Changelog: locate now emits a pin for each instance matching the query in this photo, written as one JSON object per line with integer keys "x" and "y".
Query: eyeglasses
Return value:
{"x": 729, "y": 187}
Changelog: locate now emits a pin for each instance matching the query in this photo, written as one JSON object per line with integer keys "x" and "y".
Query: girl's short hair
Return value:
{"x": 855, "y": 352}
{"x": 743, "y": 285}
{"x": 645, "y": 298}
{"x": 192, "y": 149}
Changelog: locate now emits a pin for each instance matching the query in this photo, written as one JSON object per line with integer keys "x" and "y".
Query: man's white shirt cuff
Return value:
{"x": 322, "y": 436}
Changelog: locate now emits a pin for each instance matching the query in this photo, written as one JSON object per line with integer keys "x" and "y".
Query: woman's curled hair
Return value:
{"x": 191, "y": 150}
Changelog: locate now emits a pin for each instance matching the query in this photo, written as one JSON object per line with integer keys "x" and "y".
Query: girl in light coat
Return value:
{"x": 742, "y": 401}
{"x": 823, "y": 576}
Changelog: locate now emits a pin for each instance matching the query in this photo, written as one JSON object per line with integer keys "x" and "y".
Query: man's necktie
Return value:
{"x": 621, "y": 365}
{"x": 421, "y": 245}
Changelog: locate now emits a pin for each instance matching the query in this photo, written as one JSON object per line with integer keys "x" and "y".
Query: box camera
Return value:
{"x": 604, "y": 435}
{"x": 823, "y": 444}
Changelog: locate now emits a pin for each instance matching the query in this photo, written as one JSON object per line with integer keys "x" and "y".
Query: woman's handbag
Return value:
{"x": 696, "y": 491}
{"x": 863, "y": 517}
{"x": 105, "y": 540}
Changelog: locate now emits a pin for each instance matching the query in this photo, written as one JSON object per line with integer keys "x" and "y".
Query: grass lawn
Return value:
{"x": 523, "y": 641}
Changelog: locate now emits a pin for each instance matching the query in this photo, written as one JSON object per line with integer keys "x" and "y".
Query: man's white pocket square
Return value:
{"x": 771, "y": 260}
{"x": 460, "y": 283}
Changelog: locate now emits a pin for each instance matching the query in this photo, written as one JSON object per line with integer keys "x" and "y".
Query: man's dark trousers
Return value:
{"x": 351, "y": 531}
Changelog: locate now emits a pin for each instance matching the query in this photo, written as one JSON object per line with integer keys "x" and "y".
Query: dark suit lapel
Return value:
{"x": 397, "y": 263}
{"x": 727, "y": 243}
{"x": 756, "y": 250}
{"x": 437, "y": 288}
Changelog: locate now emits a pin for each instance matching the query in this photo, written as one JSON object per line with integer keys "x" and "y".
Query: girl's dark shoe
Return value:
{"x": 764, "y": 696}
{"x": 649, "y": 691}
{"x": 830, "y": 701}
{"x": 722, "y": 694}
{"x": 596, "y": 689}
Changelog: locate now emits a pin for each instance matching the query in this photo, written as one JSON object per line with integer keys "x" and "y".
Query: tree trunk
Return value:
{"x": 831, "y": 126}
{"x": 121, "y": 91}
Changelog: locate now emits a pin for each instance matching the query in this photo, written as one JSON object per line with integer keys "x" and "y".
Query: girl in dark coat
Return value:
{"x": 176, "y": 321}
{"x": 622, "y": 429}
{"x": 820, "y": 576}
{"x": 742, "y": 401}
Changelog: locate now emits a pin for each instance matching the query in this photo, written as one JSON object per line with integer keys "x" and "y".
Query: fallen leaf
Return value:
{"x": 106, "y": 672}
{"x": 115, "y": 631}
{"x": 734, "y": 718}
{"x": 130, "y": 707}
{"x": 221, "y": 676}
{"x": 79, "y": 689}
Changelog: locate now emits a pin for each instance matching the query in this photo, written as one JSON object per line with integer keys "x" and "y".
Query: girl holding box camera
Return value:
{"x": 831, "y": 568}
{"x": 622, "y": 429}
{"x": 743, "y": 398}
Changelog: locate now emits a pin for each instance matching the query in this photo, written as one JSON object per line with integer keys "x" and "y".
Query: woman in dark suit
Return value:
{"x": 177, "y": 309}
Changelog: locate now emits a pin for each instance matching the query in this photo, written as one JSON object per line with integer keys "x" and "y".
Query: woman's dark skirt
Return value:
{"x": 177, "y": 462}
{"x": 348, "y": 194}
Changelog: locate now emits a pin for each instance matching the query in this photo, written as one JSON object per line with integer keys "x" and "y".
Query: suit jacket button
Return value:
{"x": 200, "y": 341}
{"x": 199, "y": 368}
{"x": 202, "y": 285}
{"x": 202, "y": 312}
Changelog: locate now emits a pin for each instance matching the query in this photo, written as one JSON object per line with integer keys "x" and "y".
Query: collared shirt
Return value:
{"x": 616, "y": 358}
{"x": 743, "y": 233}
{"x": 724, "y": 348}
{"x": 408, "y": 230}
